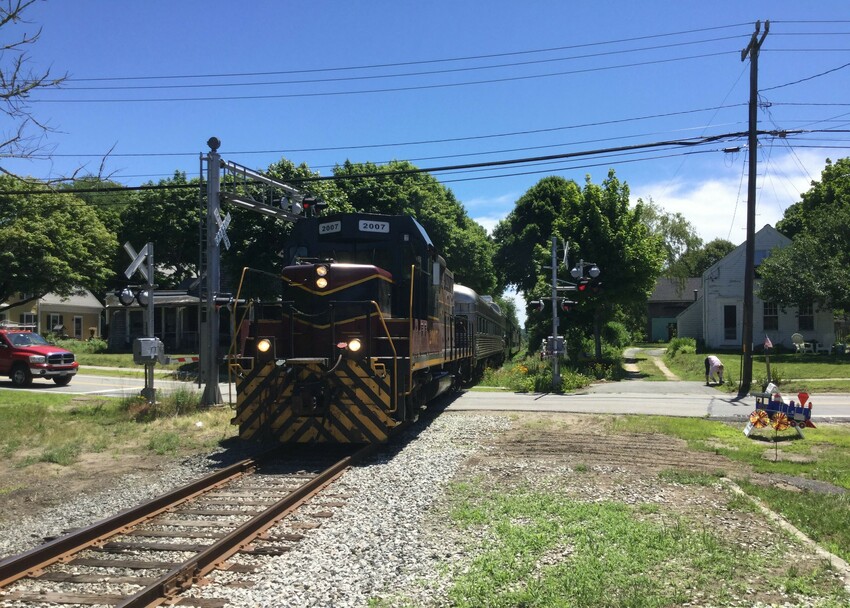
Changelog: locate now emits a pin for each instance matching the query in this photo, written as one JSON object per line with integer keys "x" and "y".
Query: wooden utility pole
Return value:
{"x": 749, "y": 263}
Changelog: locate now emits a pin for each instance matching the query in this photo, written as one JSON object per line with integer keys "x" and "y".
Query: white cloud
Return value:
{"x": 489, "y": 211}
{"x": 717, "y": 206}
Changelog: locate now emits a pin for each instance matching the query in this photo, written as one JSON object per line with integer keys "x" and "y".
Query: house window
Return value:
{"x": 806, "y": 317}
{"x": 770, "y": 320}
{"x": 730, "y": 322}
{"x": 54, "y": 323}
{"x": 27, "y": 318}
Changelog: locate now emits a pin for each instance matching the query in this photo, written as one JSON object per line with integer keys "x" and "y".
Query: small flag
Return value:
{"x": 767, "y": 342}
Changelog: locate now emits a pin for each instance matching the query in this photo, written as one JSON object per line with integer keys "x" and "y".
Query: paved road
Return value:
{"x": 113, "y": 386}
{"x": 671, "y": 398}
{"x": 666, "y": 398}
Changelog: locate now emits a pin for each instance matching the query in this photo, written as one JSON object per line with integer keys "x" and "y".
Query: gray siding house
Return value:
{"x": 716, "y": 317}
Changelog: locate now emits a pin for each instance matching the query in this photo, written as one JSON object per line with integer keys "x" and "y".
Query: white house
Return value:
{"x": 715, "y": 318}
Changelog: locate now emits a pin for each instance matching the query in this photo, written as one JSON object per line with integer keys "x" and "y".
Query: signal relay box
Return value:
{"x": 148, "y": 350}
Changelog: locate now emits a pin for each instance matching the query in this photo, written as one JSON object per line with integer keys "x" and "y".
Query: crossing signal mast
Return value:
{"x": 250, "y": 190}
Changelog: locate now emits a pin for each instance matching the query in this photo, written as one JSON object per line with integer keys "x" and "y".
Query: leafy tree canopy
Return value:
{"x": 50, "y": 243}
{"x": 816, "y": 266}
{"x": 599, "y": 226}
{"x": 678, "y": 236}
{"x": 693, "y": 262}
{"x": 169, "y": 218}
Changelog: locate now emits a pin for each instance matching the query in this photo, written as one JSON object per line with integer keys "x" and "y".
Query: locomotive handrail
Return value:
{"x": 395, "y": 354}
{"x": 410, "y": 333}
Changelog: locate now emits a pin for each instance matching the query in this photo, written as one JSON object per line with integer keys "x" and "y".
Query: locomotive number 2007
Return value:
{"x": 329, "y": 227}
{"x": 373, "y": 226}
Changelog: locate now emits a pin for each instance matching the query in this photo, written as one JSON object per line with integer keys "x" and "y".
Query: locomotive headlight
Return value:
{"x": 354, "y": 345}
{"x": 265, "y": 349}
{"x": 321, "y": 271}
{"x": 321, "y": 282}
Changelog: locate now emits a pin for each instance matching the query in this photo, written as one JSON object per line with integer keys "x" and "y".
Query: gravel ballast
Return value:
{"x": 371, "y": 546}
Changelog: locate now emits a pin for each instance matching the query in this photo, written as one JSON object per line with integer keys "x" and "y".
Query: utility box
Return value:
{"x": 148, "y": 350}
{"x": 555, "y": 345}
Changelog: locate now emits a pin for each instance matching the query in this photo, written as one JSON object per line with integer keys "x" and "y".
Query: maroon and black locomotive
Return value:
{"x": 363, "y": 334}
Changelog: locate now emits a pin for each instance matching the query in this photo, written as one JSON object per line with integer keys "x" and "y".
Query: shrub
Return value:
{"x": 616, "y": 334}
{"x": 681, "y": 345}
{"x": 92, "y": 345}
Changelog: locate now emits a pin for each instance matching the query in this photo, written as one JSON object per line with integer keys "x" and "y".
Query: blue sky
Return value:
{"x": 447, "y": 83}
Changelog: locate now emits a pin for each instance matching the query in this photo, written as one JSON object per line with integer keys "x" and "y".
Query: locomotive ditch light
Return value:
{"x": 321, "y": 282}
{"x": 353, "y": 348}
{"x": 264, "y": 345}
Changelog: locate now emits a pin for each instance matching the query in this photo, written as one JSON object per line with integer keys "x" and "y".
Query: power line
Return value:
{"x": 391, "y": 75}
{"x": 416, "y": 142}
{"x": 388, "y": 89}
{"x": 411, "y": 63}
{"x": 682, "y": 142}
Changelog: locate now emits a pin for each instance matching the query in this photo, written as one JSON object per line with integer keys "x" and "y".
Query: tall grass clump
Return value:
{"x": 177, "y": 403}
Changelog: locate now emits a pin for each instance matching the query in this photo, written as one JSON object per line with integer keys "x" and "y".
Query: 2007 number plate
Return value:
{"x": 373, "y": 226}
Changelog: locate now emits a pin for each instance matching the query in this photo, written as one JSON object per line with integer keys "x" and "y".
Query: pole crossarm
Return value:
{"x": 240, "y": 186}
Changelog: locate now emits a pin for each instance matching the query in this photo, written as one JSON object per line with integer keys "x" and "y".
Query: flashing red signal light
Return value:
{"x": 567, "y": 305}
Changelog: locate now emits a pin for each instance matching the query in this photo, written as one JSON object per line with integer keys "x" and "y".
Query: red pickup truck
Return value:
{"x": 25, "y": 355}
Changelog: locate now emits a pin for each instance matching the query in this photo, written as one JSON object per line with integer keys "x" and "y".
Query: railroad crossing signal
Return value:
{"x": 567, "y": 305}
{"x": 535, "y": 306}
{"x": 138, "y": 259}
{"x": 221, "y": 235}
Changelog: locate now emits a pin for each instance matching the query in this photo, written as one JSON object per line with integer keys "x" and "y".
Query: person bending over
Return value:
{"x": 713, "y": 368}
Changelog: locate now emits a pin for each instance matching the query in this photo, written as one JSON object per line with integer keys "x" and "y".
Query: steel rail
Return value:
{"x": 33, "y": 561}
{"x": 182, "y": 577}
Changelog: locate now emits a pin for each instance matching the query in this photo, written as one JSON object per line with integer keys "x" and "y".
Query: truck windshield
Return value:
{"x": 26, "y": 339}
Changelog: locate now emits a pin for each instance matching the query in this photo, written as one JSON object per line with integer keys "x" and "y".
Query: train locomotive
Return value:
{"x": 365, "y": 332}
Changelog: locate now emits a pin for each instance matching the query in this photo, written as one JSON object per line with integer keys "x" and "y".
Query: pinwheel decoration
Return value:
{"x": 759, "y": 419}
{"x": 780, "y": 421}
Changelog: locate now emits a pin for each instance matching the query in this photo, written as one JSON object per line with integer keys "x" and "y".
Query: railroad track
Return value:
{"x": 150, "y": 554}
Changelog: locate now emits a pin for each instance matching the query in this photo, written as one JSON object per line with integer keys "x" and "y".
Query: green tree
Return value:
{"x": 694, "y": 262}
{"x": 600, "y": 227}
{"x": 678, "y": 236}
{"x": 816, "y": 266}
{"x": 168, "y": 216}
{"x": 393, "y": 190}
{"x": 50, "y": 242}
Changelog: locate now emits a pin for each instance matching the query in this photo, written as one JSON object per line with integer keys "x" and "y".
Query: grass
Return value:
{"x": 542, "y": 550}
{"x": 823, "y": 456}
{"x": 814, "y": 373}
{"x": 58, "y": 428}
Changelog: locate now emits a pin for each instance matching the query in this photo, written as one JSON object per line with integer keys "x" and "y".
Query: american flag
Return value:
{"x": 767, "y": 342}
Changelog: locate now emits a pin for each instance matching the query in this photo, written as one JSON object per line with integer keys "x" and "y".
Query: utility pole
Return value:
{"x": 556, "y": 372}
{"x": 749, "y": 261}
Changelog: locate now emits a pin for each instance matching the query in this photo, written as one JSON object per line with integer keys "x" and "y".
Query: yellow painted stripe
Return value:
{"x": 325, "y": 292}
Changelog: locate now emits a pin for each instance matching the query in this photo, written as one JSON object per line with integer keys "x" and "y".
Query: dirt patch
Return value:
{"x": 26, "y": 490}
